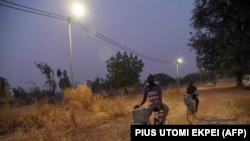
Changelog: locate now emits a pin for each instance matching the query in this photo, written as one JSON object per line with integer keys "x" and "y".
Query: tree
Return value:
{"x": 222, "y": 36}
{"x": 64, "y": 79}
{"x": 193, "y": 77}
{"x": 96, "y": 85}
{"x": 3, "y": 85}
{"x": 123, "y": 69}
{"x": 20, "y": 93}
{"x": 4, "y": 89}
{"x": 163, "y": 79}
{"x": 49, "y": 74}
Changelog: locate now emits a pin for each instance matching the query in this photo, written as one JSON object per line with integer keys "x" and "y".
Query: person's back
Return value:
{"x": 191, "y": 89}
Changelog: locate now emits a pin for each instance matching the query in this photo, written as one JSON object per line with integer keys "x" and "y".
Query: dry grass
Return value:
{"x": 85, "y": 116}
{"x": 240, "y": 109}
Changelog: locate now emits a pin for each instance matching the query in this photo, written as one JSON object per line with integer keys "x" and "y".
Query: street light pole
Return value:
{"x": 177, "y": 69}
{"x": 78, "y": 10}
{"x": 201, "y": 70}
{"x": 200, "y": 74}
{"x": 70, "y": 49}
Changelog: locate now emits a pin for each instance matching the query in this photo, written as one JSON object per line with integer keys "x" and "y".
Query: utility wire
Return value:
{"x": 84, "y": 27}
{"x": 116, "y": 43}
{"x": 31, "y": 12}
{"x": 35, "y": 9}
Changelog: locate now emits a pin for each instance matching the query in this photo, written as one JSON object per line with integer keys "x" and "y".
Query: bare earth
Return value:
{"x": 216, "y": 106}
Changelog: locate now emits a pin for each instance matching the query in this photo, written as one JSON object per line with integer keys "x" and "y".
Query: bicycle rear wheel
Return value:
{"x": 190, "y": 114}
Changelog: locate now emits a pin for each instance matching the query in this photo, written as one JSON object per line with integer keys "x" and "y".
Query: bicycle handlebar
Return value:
{"x": 137, "y": 106}
{"x": 190, "y": 94}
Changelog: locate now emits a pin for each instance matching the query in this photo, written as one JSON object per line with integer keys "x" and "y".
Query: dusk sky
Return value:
{"x": 156, "y": 28}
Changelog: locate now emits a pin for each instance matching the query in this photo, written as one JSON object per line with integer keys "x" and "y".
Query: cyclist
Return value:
{"x": 191, "y": 89}
{"x": 153, "y": 92}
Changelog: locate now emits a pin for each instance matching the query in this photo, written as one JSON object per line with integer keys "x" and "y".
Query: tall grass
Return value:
{"x": 48, "y": 122}
{"x": 83, "y": 98}
{"x": 82, "y": 116}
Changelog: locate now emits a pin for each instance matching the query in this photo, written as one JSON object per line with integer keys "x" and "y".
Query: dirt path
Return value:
{"x": 216, "y": 107}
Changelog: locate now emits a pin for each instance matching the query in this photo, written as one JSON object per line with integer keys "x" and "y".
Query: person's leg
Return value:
{"x": 165, "y": 112}
{"x": 151, "y": 109}
{"x": 197, "y": 103}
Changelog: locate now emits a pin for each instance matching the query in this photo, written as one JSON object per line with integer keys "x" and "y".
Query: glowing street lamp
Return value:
{"x": 78, "y": 10}
{"x": 177, "y": 69}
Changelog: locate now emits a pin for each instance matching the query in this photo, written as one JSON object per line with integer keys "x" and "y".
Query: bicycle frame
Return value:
{"x": 157, "y": 118}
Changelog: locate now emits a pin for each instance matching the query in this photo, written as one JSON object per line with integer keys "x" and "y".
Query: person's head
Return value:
{"x": 150, "y": 79}
{"x": 190, "y": 82}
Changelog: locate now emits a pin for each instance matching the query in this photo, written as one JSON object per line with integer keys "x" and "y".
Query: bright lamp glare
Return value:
{"x": 78, "y": 9}
{"x": 179, "y": 60}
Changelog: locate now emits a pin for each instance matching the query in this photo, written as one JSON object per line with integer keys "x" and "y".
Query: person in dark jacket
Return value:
{"x": 191, "y": 89}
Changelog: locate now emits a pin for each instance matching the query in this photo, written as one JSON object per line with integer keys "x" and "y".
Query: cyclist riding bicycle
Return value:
{"x": 191, "y": 89}
{"x": 153, "y": 92}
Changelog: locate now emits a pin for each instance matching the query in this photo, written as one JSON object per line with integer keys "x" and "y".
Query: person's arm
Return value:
{"x": 187, "y": 90}
{"x": 143, "y": 101}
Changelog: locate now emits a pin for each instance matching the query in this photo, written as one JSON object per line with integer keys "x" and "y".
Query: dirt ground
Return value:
{"x": 216, "y": 106}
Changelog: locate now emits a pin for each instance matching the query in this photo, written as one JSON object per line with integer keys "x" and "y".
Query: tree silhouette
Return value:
{"x": 222, "y": 36}
{"x": 49, "y": 74}
{"x": 123, "y": 70}
{"x": 64, "y": 79}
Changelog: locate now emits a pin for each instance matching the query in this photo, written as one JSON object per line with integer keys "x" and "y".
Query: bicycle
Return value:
{"x": 140, "y": 116}
{"x": 191, "y": 107}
